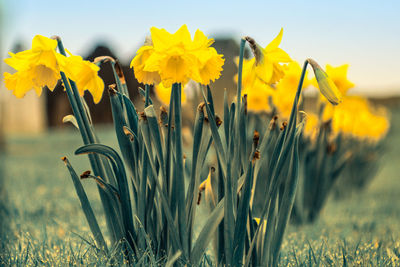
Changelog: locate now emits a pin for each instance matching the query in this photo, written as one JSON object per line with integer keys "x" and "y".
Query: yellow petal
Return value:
{"x": 43, "y": 43}
{"x": 339, "y": 77}
{"x": 200, "y": 40}
{"x": 161, "y": 38}
{"x": 278, "y": 55}
{"x": 264, "y": 71}
{"x": 182, "y": 35}
{"x": 276, "y": 42}
{"x": 97, "y": 89}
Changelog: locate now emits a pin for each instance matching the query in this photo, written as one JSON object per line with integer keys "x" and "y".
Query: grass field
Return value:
{"x": 45, "y": 224}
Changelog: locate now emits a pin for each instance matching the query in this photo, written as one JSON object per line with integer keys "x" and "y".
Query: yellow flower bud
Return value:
{"x": 326, "y": 86}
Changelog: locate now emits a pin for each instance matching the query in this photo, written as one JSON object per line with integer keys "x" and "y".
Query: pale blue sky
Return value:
{"x": 365, "y": 34}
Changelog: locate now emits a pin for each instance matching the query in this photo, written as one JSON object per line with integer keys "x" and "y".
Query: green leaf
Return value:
{"x": 87, "y": 208}
{"x": 242, "y": 216}
{"x": 164, "y": 201}
{"x": 119, "y": 124}
{"x": 286, "y": 206}
{"x": 220, "y": 149}
{"x": 122, "y": 181}
{"x": 195, "y": 172}
{"x": 131, "y": 114}
{"x": 226, "y": 116}
{"x": 207, "y": 233}
{"x": 171, "y": 260}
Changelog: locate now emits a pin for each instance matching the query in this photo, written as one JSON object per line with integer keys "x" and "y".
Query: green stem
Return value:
{"x": 147, "y": 95}
{"x": 298, "y": 92}
{"x": 88, "y": 138}
{"x": 240, "y": 70}
{"x": 277, "y": 168}
{"x": 78, "y": 101}
{"x": 122, "y": 88}
{"x": 75, "y": 109}
{"x": 179, "y": 170}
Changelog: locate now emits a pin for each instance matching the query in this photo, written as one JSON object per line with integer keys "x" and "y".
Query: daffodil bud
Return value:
{"x": 325, "y": 84}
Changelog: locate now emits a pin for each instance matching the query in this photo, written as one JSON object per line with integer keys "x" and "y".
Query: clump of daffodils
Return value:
{"x": 357, "y": 118}
{"x": 269, "y": 82}
{"x": 248, "y": 169}
{"x": 41, "y": 66}
{"x": 272, "y": 74}
{"x": 176, "y": 58}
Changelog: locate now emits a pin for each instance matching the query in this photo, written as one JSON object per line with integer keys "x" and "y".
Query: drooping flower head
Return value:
{"x": 176, "y": 58}
{"x": 36, "y": 68}
{"x": 84, "y": 74}
{"x": 266, "y": 63}
{"x": 41, "y": 66}
{"x": 262, "y": 71}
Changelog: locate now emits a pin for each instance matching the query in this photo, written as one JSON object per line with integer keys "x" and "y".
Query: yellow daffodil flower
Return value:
{"x": 209, "y": 61}
{"x": 357, "y": 118}
{"x": 248, "y": 74}
{"x": 258, "y": 96}
{"x": 210, "y": 66}
{"x": 36, "y": 68}
{"x": 260, "y": 72}
{"x": 84, "y": 74}
{"x": 339, "y": 76}
{"x": 138, "y": 64}
{"x": 176, "y": 58}
{"x": 266, "y": 62}
{"x": 170, "y": 58}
